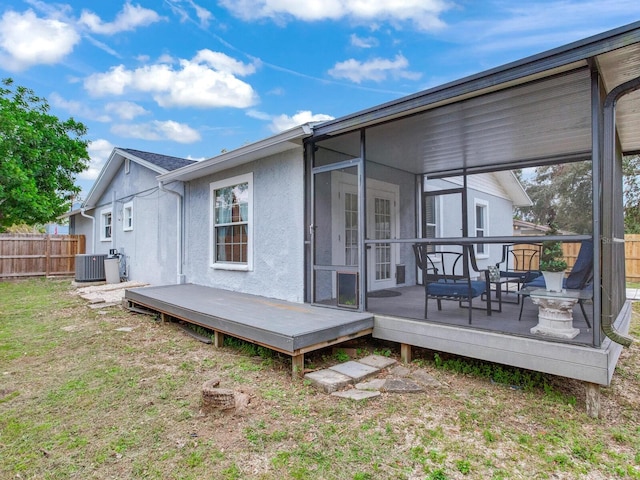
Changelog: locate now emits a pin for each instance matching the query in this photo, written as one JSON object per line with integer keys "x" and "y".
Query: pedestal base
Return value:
{"x": 555, "y": 316}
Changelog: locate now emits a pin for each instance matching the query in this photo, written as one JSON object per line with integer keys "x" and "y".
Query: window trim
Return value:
{"x": 103, "y": 225}
{"x": 230, "y": 182}
{"x": 125, "y": 217}
{"x": 485, "y": 208}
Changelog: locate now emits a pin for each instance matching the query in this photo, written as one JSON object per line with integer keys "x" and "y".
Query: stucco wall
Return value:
{"x": 278, "y": 214}
{"x": 150, "y": 248}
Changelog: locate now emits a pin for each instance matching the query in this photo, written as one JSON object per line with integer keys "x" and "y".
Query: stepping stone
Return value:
{"x": 401, "y": 385}
{"x": 356, "y": 370}
{"x": 377, "y": 361}
{"x": 356, "y": 394}
{"x": 328, "y": 380}
{"x": 372, "y": 385}
{"x": 425, "y": 379}
{"x": 400, "y": 371}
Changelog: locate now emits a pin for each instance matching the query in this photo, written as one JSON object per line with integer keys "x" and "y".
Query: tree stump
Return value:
{"x": 221, "y": 399}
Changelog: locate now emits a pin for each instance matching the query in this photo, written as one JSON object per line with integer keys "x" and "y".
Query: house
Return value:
{"x": 129, "y": 211}
{"x": 328, "y": 214}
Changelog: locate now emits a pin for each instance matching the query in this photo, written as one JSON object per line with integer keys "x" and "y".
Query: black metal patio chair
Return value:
{"x": 446, "y": 276}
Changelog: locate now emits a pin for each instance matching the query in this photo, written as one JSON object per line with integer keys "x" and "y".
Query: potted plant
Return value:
{"x": 553, "y": 265}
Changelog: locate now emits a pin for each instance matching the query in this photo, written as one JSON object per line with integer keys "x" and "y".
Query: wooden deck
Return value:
{"x": 291, "y": 328}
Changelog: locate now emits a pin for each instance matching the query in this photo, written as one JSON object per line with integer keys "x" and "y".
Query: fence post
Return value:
{"x": 47, "y": 255}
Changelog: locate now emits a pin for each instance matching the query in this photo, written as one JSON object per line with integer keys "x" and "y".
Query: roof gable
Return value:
{"x": 158, "y": 163}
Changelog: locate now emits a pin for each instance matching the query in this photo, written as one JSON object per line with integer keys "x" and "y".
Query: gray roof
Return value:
{"x": 166, "y": 162}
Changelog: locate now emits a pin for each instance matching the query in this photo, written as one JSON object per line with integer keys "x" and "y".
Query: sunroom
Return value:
{"x": 429, "y": 173}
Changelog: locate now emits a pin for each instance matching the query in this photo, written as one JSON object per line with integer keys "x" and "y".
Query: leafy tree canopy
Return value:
{"x": 631, "y": 170}
{"x": 40, "y": 156}
{"x": 562, "y": 196}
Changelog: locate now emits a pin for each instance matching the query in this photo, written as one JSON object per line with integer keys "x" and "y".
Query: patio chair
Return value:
{"x": 520, "y": 262}
{"x": 580, "y": 277}
{"x": 446, "y": 276}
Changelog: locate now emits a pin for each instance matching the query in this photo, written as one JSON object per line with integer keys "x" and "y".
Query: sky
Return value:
{"x": 194, "y": 78}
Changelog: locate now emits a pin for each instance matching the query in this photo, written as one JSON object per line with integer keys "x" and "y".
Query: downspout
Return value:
{"x": 608, "y": 158}
{"x": 179, "y": 234}
{"x": 93, "y": 230}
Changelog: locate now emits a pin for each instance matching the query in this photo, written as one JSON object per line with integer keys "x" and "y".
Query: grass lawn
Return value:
{"x": 111, "y": 394}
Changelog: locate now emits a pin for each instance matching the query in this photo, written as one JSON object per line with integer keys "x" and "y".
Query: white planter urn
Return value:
{"x": 553, "y": 281}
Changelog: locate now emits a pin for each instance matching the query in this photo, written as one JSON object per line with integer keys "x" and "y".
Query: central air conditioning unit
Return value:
{"x": 90, "y": 268}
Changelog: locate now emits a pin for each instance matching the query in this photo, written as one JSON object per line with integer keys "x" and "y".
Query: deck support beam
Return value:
{"x": 297, "y": 365}
{"x": 405, "y": 353}
{"x": 218, "y": 339}
{"x": 592, "y": 399}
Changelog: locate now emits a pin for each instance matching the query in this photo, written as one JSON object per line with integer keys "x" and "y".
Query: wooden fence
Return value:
{"x": 33, "y": 255}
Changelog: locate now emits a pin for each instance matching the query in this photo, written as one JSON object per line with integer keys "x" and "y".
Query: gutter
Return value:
{"x": 180, "y": 279}
{"x": 93, "y": 229}
{"x": 608, "y": 157}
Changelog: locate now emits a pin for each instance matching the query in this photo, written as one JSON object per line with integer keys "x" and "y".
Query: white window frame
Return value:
{"x": 484, "y": 253}
{"x": 103, "y": 225}
{"x": 127, "y": 217}
{"x": 230, "y": 182}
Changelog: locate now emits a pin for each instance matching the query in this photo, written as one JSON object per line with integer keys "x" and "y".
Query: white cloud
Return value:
{"x": 125, "y": 110}
{"x": 204, "y": 15}
{"x": 284, "y": 122}
{"x": 131, "y": 17}
{"x": 27, "y": 40}
{"x": 157, "y": 130}
{"x": 361, "y": 42}
{"x": 423, "y": 13}
{"x": 76, "y": 108}
{"x": 377, "y": 69}
{"x": 99, "y": 151}
{"x": 208, "y": 80}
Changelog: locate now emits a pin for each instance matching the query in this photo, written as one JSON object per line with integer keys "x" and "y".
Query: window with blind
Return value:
{"x": 481, "y": 227}
{"x": 430, "y": 226}
{"x": 232, "y": 223}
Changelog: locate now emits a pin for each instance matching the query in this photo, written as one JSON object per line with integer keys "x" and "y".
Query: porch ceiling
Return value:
{"x": 483, "y": 123}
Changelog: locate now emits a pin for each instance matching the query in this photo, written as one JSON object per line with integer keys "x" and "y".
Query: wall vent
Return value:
{"x": 90, "y": 268}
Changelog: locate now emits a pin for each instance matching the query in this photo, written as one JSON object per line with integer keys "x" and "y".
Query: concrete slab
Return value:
{"x": 328, "y": 380}
{"x": 425, "y": 379}
{"x": 400, "y": 371}
{"x": 377, "y": 361}
{"x": 356, "y": 370}
{"x": 356, "y": 394}
{"x": 376, "y": 384}
{"x": 401, "y": 385}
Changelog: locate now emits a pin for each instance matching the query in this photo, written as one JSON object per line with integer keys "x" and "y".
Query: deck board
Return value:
{"x": 288, "y": 327}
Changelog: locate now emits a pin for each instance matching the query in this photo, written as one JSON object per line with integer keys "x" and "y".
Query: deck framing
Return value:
{"x": 289, "y": 328}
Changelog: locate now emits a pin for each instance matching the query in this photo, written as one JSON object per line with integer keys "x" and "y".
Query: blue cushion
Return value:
{"x": 456, "y": 288}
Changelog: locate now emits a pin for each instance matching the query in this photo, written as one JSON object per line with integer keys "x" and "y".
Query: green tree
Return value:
{"x": 562, "y": 196}
{"x": 40, "y": 156}
{"x": 631, "y": 171}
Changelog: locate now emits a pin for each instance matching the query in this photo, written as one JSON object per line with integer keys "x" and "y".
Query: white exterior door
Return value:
{"x": 382, "y": 224}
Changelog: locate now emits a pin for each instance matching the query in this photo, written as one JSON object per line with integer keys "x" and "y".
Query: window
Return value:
{"x": 430, "y": 227}
{"x": 127, "y": 217}
{"x": 481, "y": 227}
{"x": 232, "y": 218}
{"x": 127, "y": 166}
{"x": 106, "y": 222}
